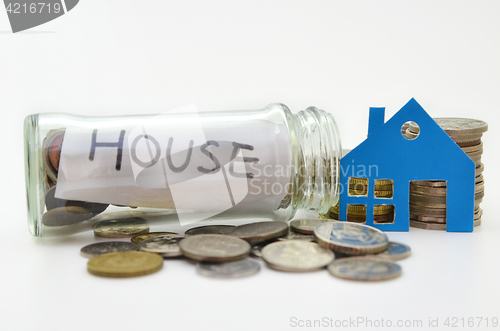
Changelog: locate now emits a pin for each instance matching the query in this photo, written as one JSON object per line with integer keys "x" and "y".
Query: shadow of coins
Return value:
{"x": 66, "y": 216}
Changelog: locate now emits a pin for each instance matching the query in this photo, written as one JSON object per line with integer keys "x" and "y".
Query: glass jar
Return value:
{"x": 251, "y": 164}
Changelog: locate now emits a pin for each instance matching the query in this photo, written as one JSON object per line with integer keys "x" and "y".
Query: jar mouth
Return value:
{"x": 320, "y": 151}
{"x": 32, "y": 174}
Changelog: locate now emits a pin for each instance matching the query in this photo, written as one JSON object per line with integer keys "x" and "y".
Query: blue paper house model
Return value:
{"x": 387, "y": 154}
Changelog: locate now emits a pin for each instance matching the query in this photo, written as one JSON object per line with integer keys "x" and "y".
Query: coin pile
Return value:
{"x": 359, "y": 186}
{"x": 61, "y": 212}
{"x": 428, "y": 198}
{"x": 357, "y": 213}
{"x": 306, "y": 245}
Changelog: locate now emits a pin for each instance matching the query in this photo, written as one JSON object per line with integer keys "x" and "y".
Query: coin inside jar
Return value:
{"x": 63, "y": 216}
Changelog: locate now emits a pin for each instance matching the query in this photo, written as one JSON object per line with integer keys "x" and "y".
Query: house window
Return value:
{"x": 358, "y": 186}
{"x": 384, "y": 188}
{"x": 383, "y": 214}
{"x": 356, "y": 213}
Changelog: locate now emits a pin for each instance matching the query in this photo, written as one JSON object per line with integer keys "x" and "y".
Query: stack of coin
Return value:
{"x": 410, "y": 130}
{"x": 357, "y": 213}
{"x": 428, "y": 198}
{"x": 359, "y": 186}
{"x": 61, "y": 212}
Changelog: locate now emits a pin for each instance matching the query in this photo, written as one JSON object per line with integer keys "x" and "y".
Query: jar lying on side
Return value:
{"x": 251, "y": 164}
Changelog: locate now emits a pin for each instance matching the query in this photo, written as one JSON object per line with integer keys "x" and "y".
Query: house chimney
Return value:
{"x": 376, "y": 120}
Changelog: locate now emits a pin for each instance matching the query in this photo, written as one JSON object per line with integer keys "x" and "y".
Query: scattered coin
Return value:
{"x": 125, "y": 264}
{"x": 214, "y": 248}
{"x": 259, "y": 231}
{"x": 296, "y": 236}
{"x": 235, "y": 269}
{"x": 256, "y": 250}
{"x": 295, "y": 255}
{"x": 96, "y": 249}
{"x": 351, "y": 238}
{"x": 365, "y": 269}
{"x": 306, "y": 225}
{"x": 65, "y": 216}
{"x": 166, "y": 246}
{"x": 209, "y": 229}
{"x": 395, "y": 251}
{"x": 121, "y": 227}
{"x": 140, "y": 237}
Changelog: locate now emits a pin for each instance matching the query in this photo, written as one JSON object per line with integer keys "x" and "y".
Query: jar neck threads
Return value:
{"x": 319, "y": 152}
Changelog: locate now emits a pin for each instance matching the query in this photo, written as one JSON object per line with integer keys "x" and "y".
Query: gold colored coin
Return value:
{"x": 121, "y": 227}
{"x": 383, "y": 182}
{"x": 355, "y": 180}
{"x": 357, "y": 192}
{"x": 356, "y": 208}
{"x": 383, "y": 194}
{"x": 125, "y": 264}
{"x": 140, "y": 237}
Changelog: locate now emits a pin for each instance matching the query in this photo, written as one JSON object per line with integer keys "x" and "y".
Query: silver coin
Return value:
{"x": 351, "y": 238}
{"x": 166, "y": 246}
{"x": 235, "y": 269}
{"x": 475, "y": 148}
{"x": 297, "y": 236}
{"x": 479, "y": 169}
{"x": 214, "y": 248}
{"x": 295, "y": 255}
{"x": 259, "y": 231}
{"x": 306, "y": 225}
{"x": 461, "y": 126}
{"x": 209, "y": 229}
{"x": 364, "y": 268}
{"x": 395, "y": 252}
{"x": 96, "y": 249}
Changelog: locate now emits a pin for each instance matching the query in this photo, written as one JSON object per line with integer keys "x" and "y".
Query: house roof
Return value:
{"x": 386, "y": 145}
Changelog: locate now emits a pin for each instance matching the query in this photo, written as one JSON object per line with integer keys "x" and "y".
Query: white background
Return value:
{"x": 124, "y": 57}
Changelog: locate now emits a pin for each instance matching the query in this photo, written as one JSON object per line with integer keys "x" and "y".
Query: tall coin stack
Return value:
{"x": 428, "y": 198}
